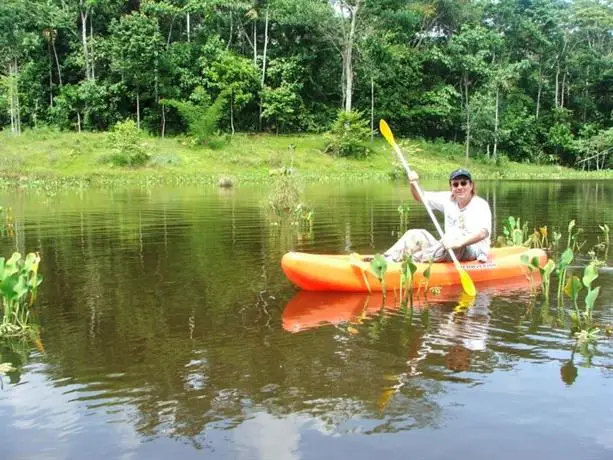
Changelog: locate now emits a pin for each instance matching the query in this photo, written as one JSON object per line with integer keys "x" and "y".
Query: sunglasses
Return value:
{"x": 456, "y": 184}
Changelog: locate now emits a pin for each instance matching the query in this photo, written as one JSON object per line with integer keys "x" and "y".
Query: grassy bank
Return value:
{"x": 50, "y": 157}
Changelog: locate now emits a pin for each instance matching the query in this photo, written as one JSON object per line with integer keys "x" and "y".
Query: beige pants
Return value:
{"x": 422, "y": 246}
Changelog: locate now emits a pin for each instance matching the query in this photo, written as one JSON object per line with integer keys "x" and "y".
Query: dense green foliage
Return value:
{"x": 529, "y": 80}
{"x": 124, "y": 142}
{"x": 348, "y": 135}
{"x": 203, "y": 120}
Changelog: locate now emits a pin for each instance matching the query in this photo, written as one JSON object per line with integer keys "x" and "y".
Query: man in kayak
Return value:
{"x": 468, "y": 224}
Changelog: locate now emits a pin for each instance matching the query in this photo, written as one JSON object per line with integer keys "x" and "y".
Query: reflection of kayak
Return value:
{"x": 309, "y": 309}
{"x": 321, "y": 272}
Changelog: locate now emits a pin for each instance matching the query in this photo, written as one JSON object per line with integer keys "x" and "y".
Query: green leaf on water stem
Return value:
{"x": 590, "y": 298}
{"x": 548, "y": 268}
{"x": 565, "y": 259}
{"x": 573, "y": 287}
{"x": 378, "y": 265}
{"x": 518, "y": 237}
{"x": 590, "y": 274}
{"x": 428, "y": 271}
{"x": 525, "y": 259}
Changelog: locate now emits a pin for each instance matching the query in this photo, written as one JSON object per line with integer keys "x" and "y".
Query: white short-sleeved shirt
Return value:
{"x": 462, "y": 222}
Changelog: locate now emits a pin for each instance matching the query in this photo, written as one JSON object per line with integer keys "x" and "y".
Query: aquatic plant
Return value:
{"x": 427, "y": 274}
{"x": 533, "y": 266}
{"x": 539, "y": 238}
{"x": 514, "y": 233}
{"x": 19, "y": 280}
{"x": 404, "y": 210}
{"x": 378, "y": 265}
{"x": 407, "y": 272}
{"x": 573, "y": 237}
{"x": 517, "y": 234}
{"x": 602, "y": 247}
{"x": 582, "y": 326}
{"x": 303, "y": 216}
{"x": 582, "y": 320}
{"x": 285, "y": 193}
{"x": 7, "y": 224}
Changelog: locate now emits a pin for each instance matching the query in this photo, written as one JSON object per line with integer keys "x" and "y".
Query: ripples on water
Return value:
{"x": 169, "y": 329}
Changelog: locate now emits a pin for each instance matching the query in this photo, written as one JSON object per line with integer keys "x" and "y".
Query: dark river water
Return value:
{"x": 170, "y": 331}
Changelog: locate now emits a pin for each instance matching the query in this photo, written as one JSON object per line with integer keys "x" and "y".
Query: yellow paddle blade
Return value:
{"x": 465, "y": 302}
{"x": 386, "y": 131}
{"x": 467, "y": 283}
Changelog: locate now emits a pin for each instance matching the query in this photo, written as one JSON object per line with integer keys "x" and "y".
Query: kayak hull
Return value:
{"x": 350, "y": 273}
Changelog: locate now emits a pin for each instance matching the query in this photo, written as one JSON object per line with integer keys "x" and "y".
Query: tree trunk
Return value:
{"x": 496, "y": 121}
{"x": 232, "y": 112}
{"x": 557, "y": 92}
{"x": 50, "y": 75}
{"x": 78, "y": 121}
{"x": 372, "y": 109}
{"x": 348, "y": 81}
{"x": 188, "y": 25}
{"x": 84, "y": 14}
{"x": 349, "y": 58}
{"x": 172, "y": 22}
{"x": 343, "y": 79}
{"x": 540, "y": 90}
{"x": 231, "y": 31}
{"x": 138, "y": 108}
{"x": 584, "y": 117}
{"x": 13, "y": 102}
{"x": 467, "y": 105}
{"x": 92, "y": 60}
{"x": 163, "y": 121}
{"x": 14, "y": 97}
{"x": 562, "y": 89}
{"x": 255, "y": 43}
{"x": 57, "y": 63}
{"x": 263, "y": 80}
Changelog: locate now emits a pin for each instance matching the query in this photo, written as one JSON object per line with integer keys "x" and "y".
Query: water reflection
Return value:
{"x": 166, "y": 317}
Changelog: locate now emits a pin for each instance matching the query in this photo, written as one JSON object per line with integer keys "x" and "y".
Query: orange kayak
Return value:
{"x": 350, "y": 273}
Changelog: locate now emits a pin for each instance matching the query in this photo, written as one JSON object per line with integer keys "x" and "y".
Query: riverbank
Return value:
{"x": 40, "y": 157}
